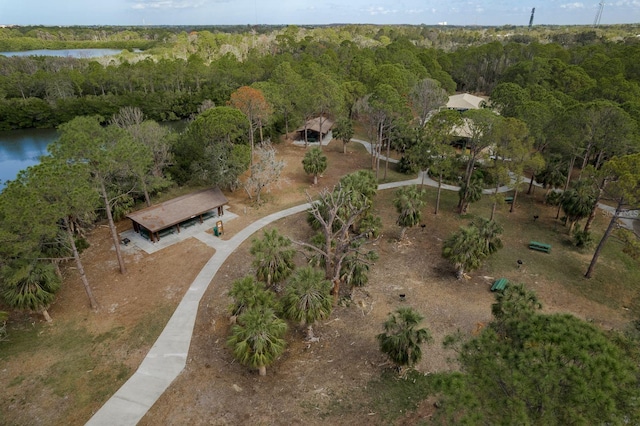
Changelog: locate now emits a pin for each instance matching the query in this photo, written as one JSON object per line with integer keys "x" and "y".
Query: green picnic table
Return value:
{"x": 499, "y": 284}
{"x": 534, "y": 245}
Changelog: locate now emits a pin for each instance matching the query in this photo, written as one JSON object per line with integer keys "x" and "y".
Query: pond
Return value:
{"x": 20, "y": 149}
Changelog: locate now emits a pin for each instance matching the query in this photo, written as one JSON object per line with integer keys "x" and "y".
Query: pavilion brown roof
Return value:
{"x": 176, "y": 210}
{"x": 314, "y": 125}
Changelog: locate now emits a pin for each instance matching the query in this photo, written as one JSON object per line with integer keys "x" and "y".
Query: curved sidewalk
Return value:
{"x": 168, "y": 356}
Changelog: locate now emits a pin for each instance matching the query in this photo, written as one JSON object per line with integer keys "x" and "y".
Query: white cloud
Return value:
{"x": 572, "y": 6}
{"x": 379, "y": 10}
{"x": 169, "y": 4}
{"x": 633, "y": 3}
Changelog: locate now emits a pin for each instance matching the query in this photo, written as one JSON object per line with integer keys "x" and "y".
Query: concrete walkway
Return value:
{"x": 423, "y": 177}
{"x": 627, "y": 218}
{"x": 167, "y": 358}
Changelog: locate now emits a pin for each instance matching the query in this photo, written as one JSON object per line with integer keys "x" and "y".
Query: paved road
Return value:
{"x": 168, "y": 356}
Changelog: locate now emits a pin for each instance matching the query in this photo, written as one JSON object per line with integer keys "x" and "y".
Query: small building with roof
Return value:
{"x": 168, "y": 217}
{"x": 465, "y": 101}
{"x": 318, "y": 129}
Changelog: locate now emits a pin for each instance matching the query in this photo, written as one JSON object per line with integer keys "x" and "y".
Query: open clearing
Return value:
{"x": 61, "y": 374}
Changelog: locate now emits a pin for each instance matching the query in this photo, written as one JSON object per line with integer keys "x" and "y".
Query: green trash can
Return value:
{"x": 215, "y": 231}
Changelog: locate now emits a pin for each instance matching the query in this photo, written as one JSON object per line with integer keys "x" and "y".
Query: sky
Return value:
{"x": 313, "y": 12}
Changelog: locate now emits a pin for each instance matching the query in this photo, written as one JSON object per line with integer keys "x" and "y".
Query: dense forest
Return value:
{"x": 566, "y": 98}
{"x": 566, "y": 64}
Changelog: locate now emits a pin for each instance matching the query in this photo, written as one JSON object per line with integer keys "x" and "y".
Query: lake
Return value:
{"x": 74, "y": 53}
{"x": 20, "y": 149}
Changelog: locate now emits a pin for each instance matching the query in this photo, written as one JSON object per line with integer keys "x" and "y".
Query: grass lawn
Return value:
{"x": 616, "y": 275}
{"x": 79, "y": 368}
{"x": 614, "y": 284}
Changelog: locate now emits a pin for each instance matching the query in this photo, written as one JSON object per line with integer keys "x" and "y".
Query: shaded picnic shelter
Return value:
{"x": 314, "y": 133}
{"x": 168, "y": 217}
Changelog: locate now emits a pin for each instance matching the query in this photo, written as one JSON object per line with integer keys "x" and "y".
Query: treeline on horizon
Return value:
{"x": 180, "y": 69}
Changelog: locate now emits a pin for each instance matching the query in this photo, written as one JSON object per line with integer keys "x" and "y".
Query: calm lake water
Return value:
{"x": 75, "y": 53}
{"x": 20, "y": 149}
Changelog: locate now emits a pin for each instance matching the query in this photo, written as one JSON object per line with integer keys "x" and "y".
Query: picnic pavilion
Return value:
{"x": 312, "y": 128}
{"x": 168, "y": 217}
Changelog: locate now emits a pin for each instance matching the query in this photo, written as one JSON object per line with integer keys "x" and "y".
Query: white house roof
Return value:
{"x": 464, "y": 130}
{"x": 465, "y": 101}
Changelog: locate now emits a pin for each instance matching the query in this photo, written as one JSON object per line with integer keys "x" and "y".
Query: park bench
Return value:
{"x": 534, "y": 245}
{"x": 189, "y": 222}
{"x": 499, "y": 284}
{"x": 508, "y": 200}
{"x": 166, "y": 232}
{"x": 208, "y": 215}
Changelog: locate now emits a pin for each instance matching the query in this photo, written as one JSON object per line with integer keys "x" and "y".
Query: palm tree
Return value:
{"x": 578, "y": 202}
{"x": 343, "y": 130}
{"x": 355, "y": 268}
{"x": 314, "y": 163}
{"x": 469, "y": 195}
{"x": 465, "y": 249}
{"x": 273, "y": 257}
{"x": 247, "y": 294}
{"x": 401, "y": 339}
{"x": 552, "y": 176}
{"x": 307, "y": 298}
{"x": 30, "y": 285}
{"x": 408, "y": 202}
{"x": 257, "y": 340}
{"x": 489, "y": 231}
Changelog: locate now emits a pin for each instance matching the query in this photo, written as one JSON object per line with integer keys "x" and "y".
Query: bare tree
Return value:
{"x": 128, "y": 116}
{"x": 157, "y": 139}
{"x": 382, "y": 111}
{"x": 336, "y": 213}
{"x": 265, "y": 172}
{"x": 205, "y": 105}
{"x": 426, "y": 97}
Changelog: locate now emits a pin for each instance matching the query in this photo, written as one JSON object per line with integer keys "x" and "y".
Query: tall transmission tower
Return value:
{"x": 533, "y": 11}
{"x": 596, "y": 21}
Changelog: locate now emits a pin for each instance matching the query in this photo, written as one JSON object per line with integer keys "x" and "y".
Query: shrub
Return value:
{"x": 582, "y": 239}
{"x": 553, "y": 198}
{"x": 407, "y": 166}
{"x": 630, "y": 242}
